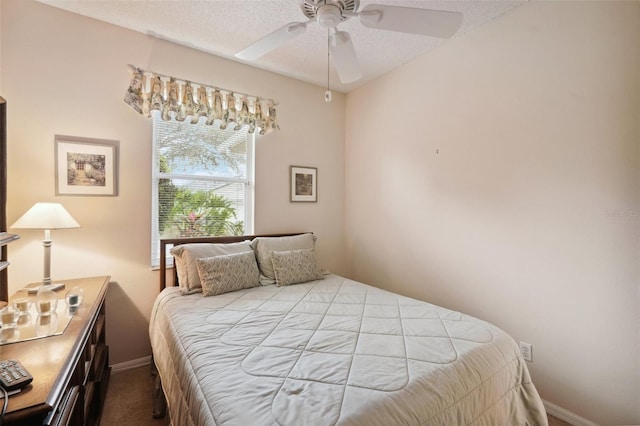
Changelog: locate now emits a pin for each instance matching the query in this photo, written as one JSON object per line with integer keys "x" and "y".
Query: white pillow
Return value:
{"x": 186, "y": 255}
{"x": 231, "y": 272}
{"x": 295, "y": 266}
{"x": 263, "y": 246}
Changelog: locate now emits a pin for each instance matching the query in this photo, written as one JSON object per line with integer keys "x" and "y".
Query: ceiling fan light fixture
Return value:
{"x": 329, "y": 13}
{"x": 328, "y": 16}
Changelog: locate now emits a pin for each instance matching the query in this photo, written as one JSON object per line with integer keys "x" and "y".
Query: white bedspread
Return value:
{"x": 335, "y": 351}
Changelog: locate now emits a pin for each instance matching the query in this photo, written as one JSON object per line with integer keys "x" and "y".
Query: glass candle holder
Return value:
{"x": 22, "y": 305}
{"x": 74, "y": 297}
{"x": 8, "y": 317}
{"x": 46, "y": 301}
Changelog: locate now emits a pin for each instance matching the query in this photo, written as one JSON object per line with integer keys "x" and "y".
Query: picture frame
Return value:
{"x": 86, "y": 166}
{"x": 303, "y": 185}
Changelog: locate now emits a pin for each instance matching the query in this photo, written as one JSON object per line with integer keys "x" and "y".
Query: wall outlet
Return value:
{"x": 527, "y": 351}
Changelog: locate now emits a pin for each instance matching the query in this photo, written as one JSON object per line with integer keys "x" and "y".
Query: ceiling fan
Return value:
{"x": 329, "y": 13}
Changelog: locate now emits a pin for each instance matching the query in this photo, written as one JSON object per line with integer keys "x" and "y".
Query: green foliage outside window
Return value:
{"x": 185, "y": 212}
{"x": 203, "y": 213}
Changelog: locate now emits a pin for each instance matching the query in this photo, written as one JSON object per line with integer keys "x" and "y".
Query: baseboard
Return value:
{"x": 130, "y": 365}
{"x": 566, "y": 415}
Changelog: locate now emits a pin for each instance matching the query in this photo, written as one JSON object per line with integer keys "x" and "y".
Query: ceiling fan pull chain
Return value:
{"x": 327, "y": 94}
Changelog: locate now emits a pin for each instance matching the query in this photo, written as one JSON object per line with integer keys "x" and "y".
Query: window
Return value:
{"x": 202, "y": 181}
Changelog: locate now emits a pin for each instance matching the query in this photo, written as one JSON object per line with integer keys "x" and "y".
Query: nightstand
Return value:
{"x": 70, "y": 371}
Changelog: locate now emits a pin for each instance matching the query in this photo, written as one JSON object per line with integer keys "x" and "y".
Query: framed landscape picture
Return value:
{"x": 86, "y": 166}
{"x": 304, "y": 184}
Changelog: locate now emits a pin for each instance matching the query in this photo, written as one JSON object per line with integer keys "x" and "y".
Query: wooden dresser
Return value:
{"x": 70, "y": 371}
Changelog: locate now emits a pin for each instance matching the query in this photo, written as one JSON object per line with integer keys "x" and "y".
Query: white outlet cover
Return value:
{"x": 527, "y": 351}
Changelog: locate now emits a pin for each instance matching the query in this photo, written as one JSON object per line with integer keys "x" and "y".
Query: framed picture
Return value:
{"x": 304, "y": 184}
{"x": 86, "y": 166}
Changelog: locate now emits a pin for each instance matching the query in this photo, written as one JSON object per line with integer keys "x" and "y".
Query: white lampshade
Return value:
{"x": 46, "y": 216}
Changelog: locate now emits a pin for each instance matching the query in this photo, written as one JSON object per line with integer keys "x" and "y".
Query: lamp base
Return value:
{"x": 46, "y": 243}
{"x": 33, "y": 288}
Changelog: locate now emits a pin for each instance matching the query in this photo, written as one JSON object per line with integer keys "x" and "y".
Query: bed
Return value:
{"x": 326, "y": 350}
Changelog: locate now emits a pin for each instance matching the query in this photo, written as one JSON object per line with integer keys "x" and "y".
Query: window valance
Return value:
{"x": 183, "y": 100}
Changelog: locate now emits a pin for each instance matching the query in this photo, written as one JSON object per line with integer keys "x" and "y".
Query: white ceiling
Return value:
{"x": 223, "y": 27}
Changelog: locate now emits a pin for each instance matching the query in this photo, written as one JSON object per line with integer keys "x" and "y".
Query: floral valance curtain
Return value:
{"x": 182, "y": 100}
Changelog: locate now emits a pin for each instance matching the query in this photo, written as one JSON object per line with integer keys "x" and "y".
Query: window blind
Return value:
{"x": 202, "y": 181}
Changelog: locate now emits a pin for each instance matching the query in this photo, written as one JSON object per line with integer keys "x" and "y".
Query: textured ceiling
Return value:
{"x": 223, "y": 27}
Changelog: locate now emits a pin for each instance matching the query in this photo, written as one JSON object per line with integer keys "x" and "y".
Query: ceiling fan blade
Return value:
{"x": 344, "y": 57}
{"x": 272, "y": 41}
{"x": 436, "y": 23}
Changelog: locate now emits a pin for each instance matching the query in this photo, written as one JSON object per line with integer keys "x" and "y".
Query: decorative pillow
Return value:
{"x": 264, "y": 246}
{"x": 295, "y": 266}
{"x": 231, "y": 272}
{"x": 185, "y": 257}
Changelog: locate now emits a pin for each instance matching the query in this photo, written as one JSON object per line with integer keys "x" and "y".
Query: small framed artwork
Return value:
{"x": 304, "y": 184}
{"x": 86, "y": 166}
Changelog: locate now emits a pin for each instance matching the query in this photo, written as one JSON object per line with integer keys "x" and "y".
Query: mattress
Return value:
{"x": 334, "y": 352}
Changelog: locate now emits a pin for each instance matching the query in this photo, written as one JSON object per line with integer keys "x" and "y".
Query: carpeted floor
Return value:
{"x": 553, "y": 421}
{"x": 129, "y": 402}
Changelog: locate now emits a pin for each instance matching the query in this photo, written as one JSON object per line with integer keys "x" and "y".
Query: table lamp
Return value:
{"x": 46, "y": 216}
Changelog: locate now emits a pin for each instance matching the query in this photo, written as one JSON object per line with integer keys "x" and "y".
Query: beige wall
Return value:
{"x": 509, "y": 145}
{"x": 66, "y": 74}
{"x": 479, "y": 177}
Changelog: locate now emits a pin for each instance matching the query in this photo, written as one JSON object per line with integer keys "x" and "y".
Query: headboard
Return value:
{"x": 211, "y": 240}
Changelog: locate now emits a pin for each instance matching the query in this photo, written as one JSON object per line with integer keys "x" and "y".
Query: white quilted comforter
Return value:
{"x": 334, "y": 352}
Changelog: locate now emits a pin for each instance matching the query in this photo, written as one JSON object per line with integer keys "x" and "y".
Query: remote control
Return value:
{"x": 13, "y": 375}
